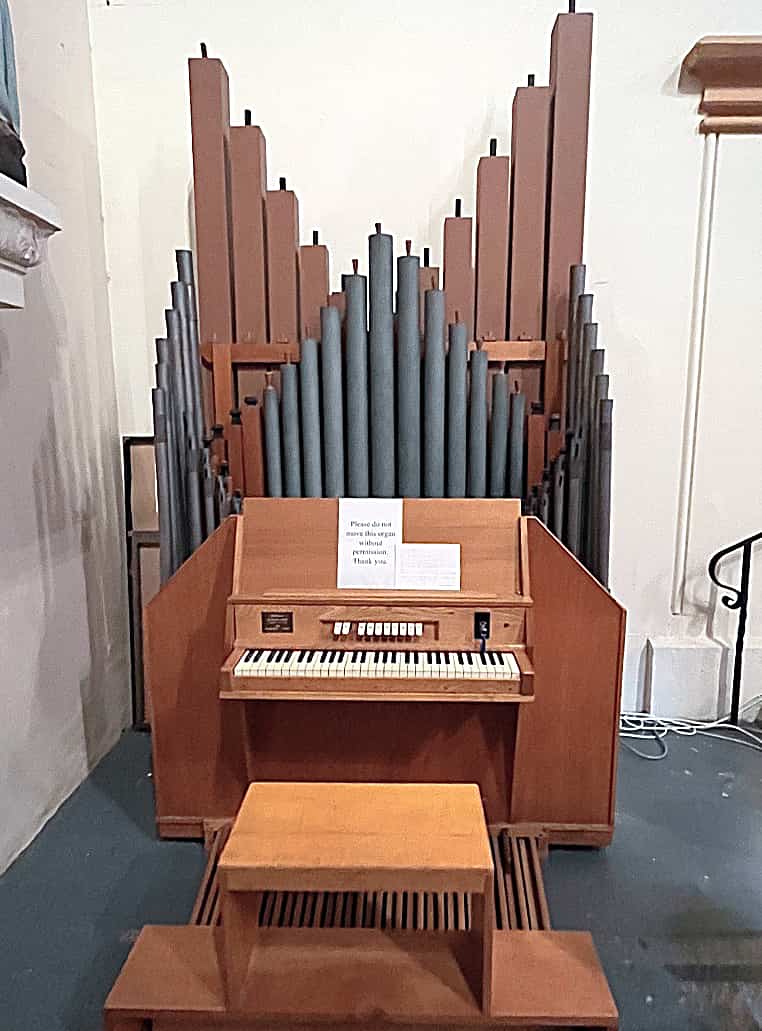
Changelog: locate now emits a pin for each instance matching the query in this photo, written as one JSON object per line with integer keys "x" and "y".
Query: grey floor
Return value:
{"x": 674, "y": 904}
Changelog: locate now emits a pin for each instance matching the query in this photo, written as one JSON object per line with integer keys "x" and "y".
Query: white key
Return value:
{"x": 257, "y": 666}
{"x": 361, "y": 630}
{"x": 513, "y": 665}
{"x": 395, "y": 629}
{"x": 345, "y": 628}
{"x": 378, "y": 629}
{"x": 403, "y": 629}
{"x": 419, "y": 629}
{"x": 387, "y": 629}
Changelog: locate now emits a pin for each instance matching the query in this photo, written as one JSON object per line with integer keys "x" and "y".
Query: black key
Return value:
{"x": 355, "y": 657}
{"x": 447, "y": 658}
{"x": 469, "y": 659}
{"x": 363, "y": 656}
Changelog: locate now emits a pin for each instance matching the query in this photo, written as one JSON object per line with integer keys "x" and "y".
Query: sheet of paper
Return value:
{"x": 428, "y": 567}
{"x": 369, "y": 531}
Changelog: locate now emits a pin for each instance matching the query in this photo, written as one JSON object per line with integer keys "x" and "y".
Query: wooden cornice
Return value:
{"x": 728, "y": 71}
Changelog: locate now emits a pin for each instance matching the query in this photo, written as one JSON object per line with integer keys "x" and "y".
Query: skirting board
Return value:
{"x": 691, "y": 677}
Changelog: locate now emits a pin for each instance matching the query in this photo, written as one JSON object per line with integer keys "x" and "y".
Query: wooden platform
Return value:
{"x": 369, "y": 979}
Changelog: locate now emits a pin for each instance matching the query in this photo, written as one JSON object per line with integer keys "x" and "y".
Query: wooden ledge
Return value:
{"x": 275, "y": 354}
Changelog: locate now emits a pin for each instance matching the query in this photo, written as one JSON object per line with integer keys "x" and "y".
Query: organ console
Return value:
{"x": 255, "y": 657}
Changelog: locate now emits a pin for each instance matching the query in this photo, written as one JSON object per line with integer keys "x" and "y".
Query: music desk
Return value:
{"x": 358, "y": 838}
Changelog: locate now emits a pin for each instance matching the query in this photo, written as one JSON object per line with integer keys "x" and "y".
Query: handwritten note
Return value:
{"x": 369, "y": 531}
{"x": 427, "y": 567}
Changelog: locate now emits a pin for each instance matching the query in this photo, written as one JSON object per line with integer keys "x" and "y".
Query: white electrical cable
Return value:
{"x": 642, "y": 726}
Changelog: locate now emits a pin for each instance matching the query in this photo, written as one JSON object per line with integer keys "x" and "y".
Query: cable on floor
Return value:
{"x": 641, "y": 726}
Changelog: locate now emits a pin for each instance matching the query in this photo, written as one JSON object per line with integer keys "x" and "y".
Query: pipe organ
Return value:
{"x": 379, "y": 769}
{"x": 370, "y": 390}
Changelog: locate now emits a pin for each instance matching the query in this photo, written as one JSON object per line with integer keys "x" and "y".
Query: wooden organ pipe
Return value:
{"x": 248, "y": 182}
{"x": 210, "y": 132}
{"x": 458, "y": 269}
{"x": 282, "y": 228}
{"x": 313, "y": 286}
{"x": 492, "y": 207}
{"x": 530, "y": 127}
{"x": 570, "y": 57}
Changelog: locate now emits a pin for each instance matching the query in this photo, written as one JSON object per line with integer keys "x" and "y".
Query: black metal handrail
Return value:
{"x": 737, "y": 599}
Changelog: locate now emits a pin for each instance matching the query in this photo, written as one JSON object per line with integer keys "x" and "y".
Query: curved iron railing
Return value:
{"x": 737, "y": 598}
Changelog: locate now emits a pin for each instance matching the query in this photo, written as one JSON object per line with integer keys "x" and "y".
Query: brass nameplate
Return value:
{"x": 277, "y": 622}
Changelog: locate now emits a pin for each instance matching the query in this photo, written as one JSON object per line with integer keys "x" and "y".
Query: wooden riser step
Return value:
{"x": 520, "y": 900}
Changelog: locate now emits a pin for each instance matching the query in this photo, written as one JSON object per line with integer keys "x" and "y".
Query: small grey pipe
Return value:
{"x": 333, "y": 401}
{"x": 381, "y": 347}
{"x": 477, "y": 426}
{"x": 516, "y": 446}
{"x": 274, "y": 463}
{"x": 605, "y": 420}
{"x": 309, "y": 383}
{"x": 498, "y": 453}
{"x": 457, "y": 407}
{"x": 356, "y": 323}
{"x": 292, "y": 450}
{"x": 162, "y": 483}
{"x": 408, "y": 377}
{"x": 434, "y": 395}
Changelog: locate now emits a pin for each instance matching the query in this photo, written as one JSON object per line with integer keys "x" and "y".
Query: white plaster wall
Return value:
{"x": 63, "y": 646}
{"x": 380, "y": 112}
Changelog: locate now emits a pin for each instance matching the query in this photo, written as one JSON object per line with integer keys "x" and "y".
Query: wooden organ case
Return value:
{"x": 540, "y": 744}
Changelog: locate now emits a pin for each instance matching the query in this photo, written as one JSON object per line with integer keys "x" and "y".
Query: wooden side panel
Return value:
{"x": 458, "y": 270}
{"x": 210, "y": 131}
{"x": 198, "y": 761}
{"x": 282, "y": 211}
{"x": 530, "y": 140}
{"x": 313, "y": 288}
{"x": 248, "y": 177}
{"x": 570, "y": 55}
{"x": 565, "y": 762}
{"x": 492, "y": 206}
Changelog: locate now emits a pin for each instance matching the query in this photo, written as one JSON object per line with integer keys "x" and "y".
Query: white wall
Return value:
{"x": 379, "y": 112}
{"x": 63, "y": 648}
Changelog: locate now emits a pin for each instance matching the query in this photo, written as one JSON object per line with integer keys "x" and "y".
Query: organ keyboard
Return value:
{"x": 341, "y": 663}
